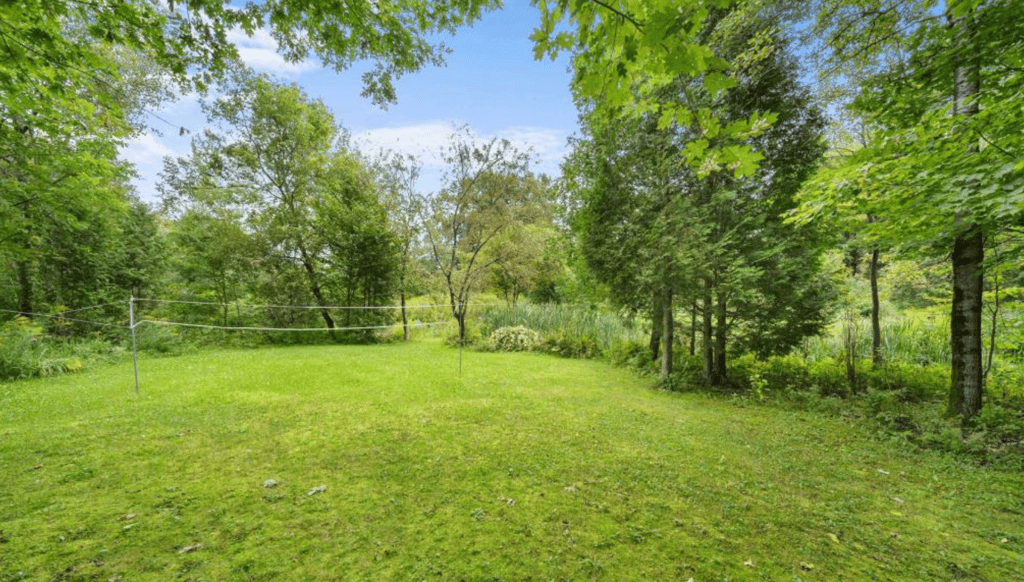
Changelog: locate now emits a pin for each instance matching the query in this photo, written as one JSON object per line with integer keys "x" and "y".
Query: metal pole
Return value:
{"x": 135, "y": 350}
{"x": 462, "y": 328}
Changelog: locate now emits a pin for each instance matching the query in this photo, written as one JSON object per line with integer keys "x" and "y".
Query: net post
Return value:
{"x": 135, "y": 350}
{"x": 462, "y": 340}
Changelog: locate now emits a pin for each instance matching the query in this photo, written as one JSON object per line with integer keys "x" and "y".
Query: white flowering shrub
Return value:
{"x": 513, "y": 339}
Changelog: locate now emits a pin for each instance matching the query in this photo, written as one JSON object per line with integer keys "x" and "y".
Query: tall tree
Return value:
{"x": 518, "y": 257}
{"x": 946, "y": 151}
{"x": 280, "y": 162}
{"x": 715, "y": 242}
{"x": 397, "y": 176}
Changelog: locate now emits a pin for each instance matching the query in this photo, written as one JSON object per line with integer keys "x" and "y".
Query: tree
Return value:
{"x": 638, "y": 230}
{"x": 945, "y": 153}
{"x": 397, "y": 176}
{"x": 279, "y": 163}
{"x": 658, "y": 232}
{"x": 519, "y": 255}
{"x": 482, "y": 196}
{"x": 627, "y": 53}
{"x": 52, "y": 48}
{"x": 212, "y": 256}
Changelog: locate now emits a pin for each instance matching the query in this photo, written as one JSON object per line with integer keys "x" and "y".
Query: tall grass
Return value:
{"x": 921, "y": 340}
{"x": 583, "y": 322}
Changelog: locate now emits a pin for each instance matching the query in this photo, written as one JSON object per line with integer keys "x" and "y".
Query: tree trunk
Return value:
{"x": 461, "y": 318}
{"x": 965, "y": 397}
{"x": 967, "y": 382}
{"x": 657, "y": 323}
{"x": 721, "y": 373}
{"x": 708, "y": 346}
{"x": 25, "y": 289}
{"x": 693, "y": 327}
{"x": 876, "y": 325}
{"x": 850, "y": 339}
{"x": 314, "y": 286}
{"x": 668, "y": 330}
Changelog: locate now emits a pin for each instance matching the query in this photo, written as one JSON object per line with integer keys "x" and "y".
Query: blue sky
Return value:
{"x": 491, "y": 83}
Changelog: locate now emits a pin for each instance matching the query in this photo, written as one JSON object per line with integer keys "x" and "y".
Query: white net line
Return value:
{"x": 249, "y": 328}
{"x": 335, "y": 307}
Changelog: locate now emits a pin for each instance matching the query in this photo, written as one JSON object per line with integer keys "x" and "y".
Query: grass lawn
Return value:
{"x": 390, "y": 467}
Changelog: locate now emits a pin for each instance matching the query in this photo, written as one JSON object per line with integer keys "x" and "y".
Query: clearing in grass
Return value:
{"x": 380, "y": 463}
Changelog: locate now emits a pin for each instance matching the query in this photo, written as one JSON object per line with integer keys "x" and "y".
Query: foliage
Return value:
{"x": 486, "y": 190}
{"x": 911, "y": 338}
{"x": 397, "y": 177}
{"x": 26, "y": 352}
{"x": 521, "y": 257}
{"x": 513, "y": 339}
{"x": 900, "y": 401}
{"x": 628, "y": 53}
{"x": 940, "y": 164}
{"x": 650, "y": 228}
{"x": 295, "y": 214}
{"x": 572, "y": 330}
{"x": 567, "y": 345}
{"x": 56, "y": 47}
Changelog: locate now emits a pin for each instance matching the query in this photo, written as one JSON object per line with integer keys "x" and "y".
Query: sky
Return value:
{"x": 491, "y": 84}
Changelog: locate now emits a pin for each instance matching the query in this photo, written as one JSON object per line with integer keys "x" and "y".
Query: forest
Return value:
{"x": 821, "y": 202}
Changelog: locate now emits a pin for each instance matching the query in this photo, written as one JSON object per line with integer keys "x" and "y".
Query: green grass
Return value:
{"x": 527, "y": 468}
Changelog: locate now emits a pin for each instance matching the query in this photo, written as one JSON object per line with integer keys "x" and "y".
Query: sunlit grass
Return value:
{"x": 527, "y": 467}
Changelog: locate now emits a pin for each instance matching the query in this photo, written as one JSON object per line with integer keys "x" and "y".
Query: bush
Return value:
{"x": 513, "y": 339}
{"x": 573, "y": 329}
{"x": 25, "y": 352}
{"x": 632, "y": 355}
{"x": 473, "y": 336}
{"x": 828, "y": 377}
{"x": 19, "y": 349}
{"x": 569, "y": 345}
{"x": 910, "y": 383}
{"x": 1003, "y": 424}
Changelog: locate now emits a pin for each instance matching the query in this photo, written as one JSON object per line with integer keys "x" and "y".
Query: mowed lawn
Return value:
{"x": 389, "y": 466}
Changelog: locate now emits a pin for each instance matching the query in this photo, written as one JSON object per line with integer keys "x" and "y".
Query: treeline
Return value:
{"x": 716, "y": 175}
{"x": 276, "y": 209}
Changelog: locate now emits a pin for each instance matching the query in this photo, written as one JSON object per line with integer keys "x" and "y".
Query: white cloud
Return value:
{"x": 427, "y": 140}
{"x": 259, "y": 51}
{"x": 145, "y": 150}
{"x": 424, "y": 141}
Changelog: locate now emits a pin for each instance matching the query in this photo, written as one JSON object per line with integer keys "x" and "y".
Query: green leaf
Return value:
{"x": 716, "y": 82}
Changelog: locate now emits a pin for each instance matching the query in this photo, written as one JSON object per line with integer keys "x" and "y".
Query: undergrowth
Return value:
{"x": 900, "y": 401}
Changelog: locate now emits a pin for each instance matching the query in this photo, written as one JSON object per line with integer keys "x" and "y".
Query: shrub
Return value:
{"x": 910, "y": 383}
{"x": 569, "y": 345}
{"x": 25, "y": 352}
{"x": 687, "y": 374}
{"x": 159, "y": 339}
{"x": 574, "y": 329}
{"x": 786, "y": 372}
{"x": 632, "y": 355}
{"x": 513, "y": 339}
{"x": 828, "y": 377}
{"x": 1003, "y": 424}
{"x": 19, "y": 349}
{"x": 473, "y": 336}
